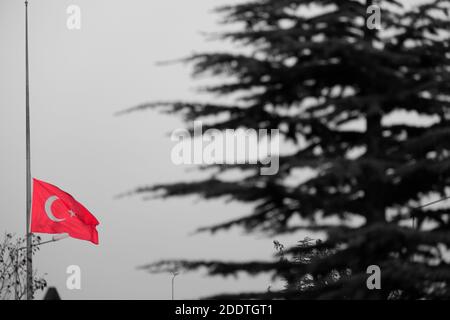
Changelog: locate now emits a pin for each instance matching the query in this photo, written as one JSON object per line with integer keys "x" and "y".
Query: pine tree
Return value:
{"x": 308, "y": 254}
{"x": 330, "y": 85}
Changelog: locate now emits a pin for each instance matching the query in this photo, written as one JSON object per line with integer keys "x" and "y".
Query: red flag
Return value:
{"x": 56, "y": 211}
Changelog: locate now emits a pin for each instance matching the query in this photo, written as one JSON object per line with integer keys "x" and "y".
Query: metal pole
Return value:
{"x": 16, "y": 278}
{"x": 28, "y": 166}
{"x": 173, "y": 280}
{"x": 174, "y": 274}
{"x": 54, "y": 239}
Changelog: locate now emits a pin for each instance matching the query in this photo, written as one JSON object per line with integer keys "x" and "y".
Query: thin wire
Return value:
{"x": 429, "y": 204}
{"x": 426, "y": 205}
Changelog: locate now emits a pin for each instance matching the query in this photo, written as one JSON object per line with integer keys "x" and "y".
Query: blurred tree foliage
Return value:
{"x": 344, "y": 96}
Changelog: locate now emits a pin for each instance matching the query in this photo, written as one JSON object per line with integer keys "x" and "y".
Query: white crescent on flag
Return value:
{"x": 48, "y": 209}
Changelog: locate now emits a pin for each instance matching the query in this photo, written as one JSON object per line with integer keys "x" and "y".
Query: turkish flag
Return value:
{"x": 56, "y": 211}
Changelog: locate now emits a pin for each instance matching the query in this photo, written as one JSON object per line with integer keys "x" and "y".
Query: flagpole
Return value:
{"x": 28, "y": 165}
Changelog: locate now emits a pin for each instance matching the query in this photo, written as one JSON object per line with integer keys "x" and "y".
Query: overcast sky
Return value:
{"x": 79, "y": 79}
